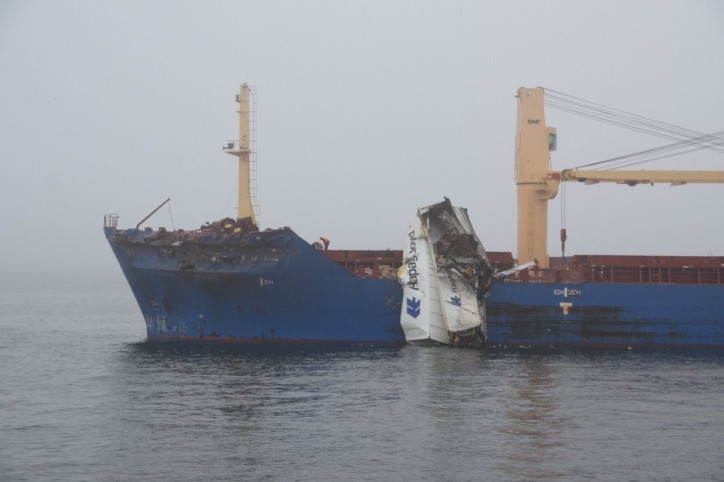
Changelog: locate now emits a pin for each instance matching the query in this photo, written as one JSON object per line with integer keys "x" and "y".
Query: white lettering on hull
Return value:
{"x": 566, "y": 292}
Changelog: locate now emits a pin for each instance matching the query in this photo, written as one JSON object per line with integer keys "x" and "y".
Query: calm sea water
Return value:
{"x": 84, "y": 397}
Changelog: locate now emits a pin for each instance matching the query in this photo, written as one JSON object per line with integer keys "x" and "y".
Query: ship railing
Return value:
{"x": 110, "y": 220}
{"x": 656, "y": 274}
{"x": 709, "y": 274}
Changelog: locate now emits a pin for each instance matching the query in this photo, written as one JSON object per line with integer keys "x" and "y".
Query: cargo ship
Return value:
{"x": 230, "y": 281}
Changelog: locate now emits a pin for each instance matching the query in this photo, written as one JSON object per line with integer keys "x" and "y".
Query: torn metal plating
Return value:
{"x": 446, "y": 276}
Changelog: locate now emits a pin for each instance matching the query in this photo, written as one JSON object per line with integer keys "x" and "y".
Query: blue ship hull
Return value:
{"x": 273, "y": 286}
{"x": 276, "y": 287}
{"x": 606, "y": 315}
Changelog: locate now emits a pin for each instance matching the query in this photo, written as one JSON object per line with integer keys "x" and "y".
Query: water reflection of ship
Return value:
{"x": 534, "y": 423}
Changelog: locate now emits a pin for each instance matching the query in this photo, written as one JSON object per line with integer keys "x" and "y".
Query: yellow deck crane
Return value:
{"x": 537, "y": 183}
{"x": 244, "y": 151}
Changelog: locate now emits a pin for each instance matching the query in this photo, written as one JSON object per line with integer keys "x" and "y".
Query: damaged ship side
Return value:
{"x": 222, "y": 283}
{"x": 216, "y": 284}
{"x": 445, "y": 277}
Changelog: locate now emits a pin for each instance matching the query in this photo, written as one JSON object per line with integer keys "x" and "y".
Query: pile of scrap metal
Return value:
{"x": 466, "y": 255}
{"x": 224, "y": 230}
{"x": 217, "y": 248}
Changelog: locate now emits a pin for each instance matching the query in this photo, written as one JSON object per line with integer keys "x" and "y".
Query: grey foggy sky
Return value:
{"x": 366, "y": 111}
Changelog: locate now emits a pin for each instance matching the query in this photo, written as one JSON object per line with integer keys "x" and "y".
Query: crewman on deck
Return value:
{"x": 326, "y": 242}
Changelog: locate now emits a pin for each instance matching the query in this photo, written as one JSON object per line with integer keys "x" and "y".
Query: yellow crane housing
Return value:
{"x": 537, "y": 183}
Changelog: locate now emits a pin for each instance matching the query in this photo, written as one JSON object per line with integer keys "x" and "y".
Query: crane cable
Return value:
{"x": 632, "y": 159}
{"x": 685, "y": 138}
{"x": 625, "y": 119}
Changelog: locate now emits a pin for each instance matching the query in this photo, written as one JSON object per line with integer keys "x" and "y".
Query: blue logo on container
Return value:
{"x": 455, "y": 300}
{"x": 413, "y": 307}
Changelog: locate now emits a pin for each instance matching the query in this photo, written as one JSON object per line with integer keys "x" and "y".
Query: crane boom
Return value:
{"x": 642, "y": 176}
